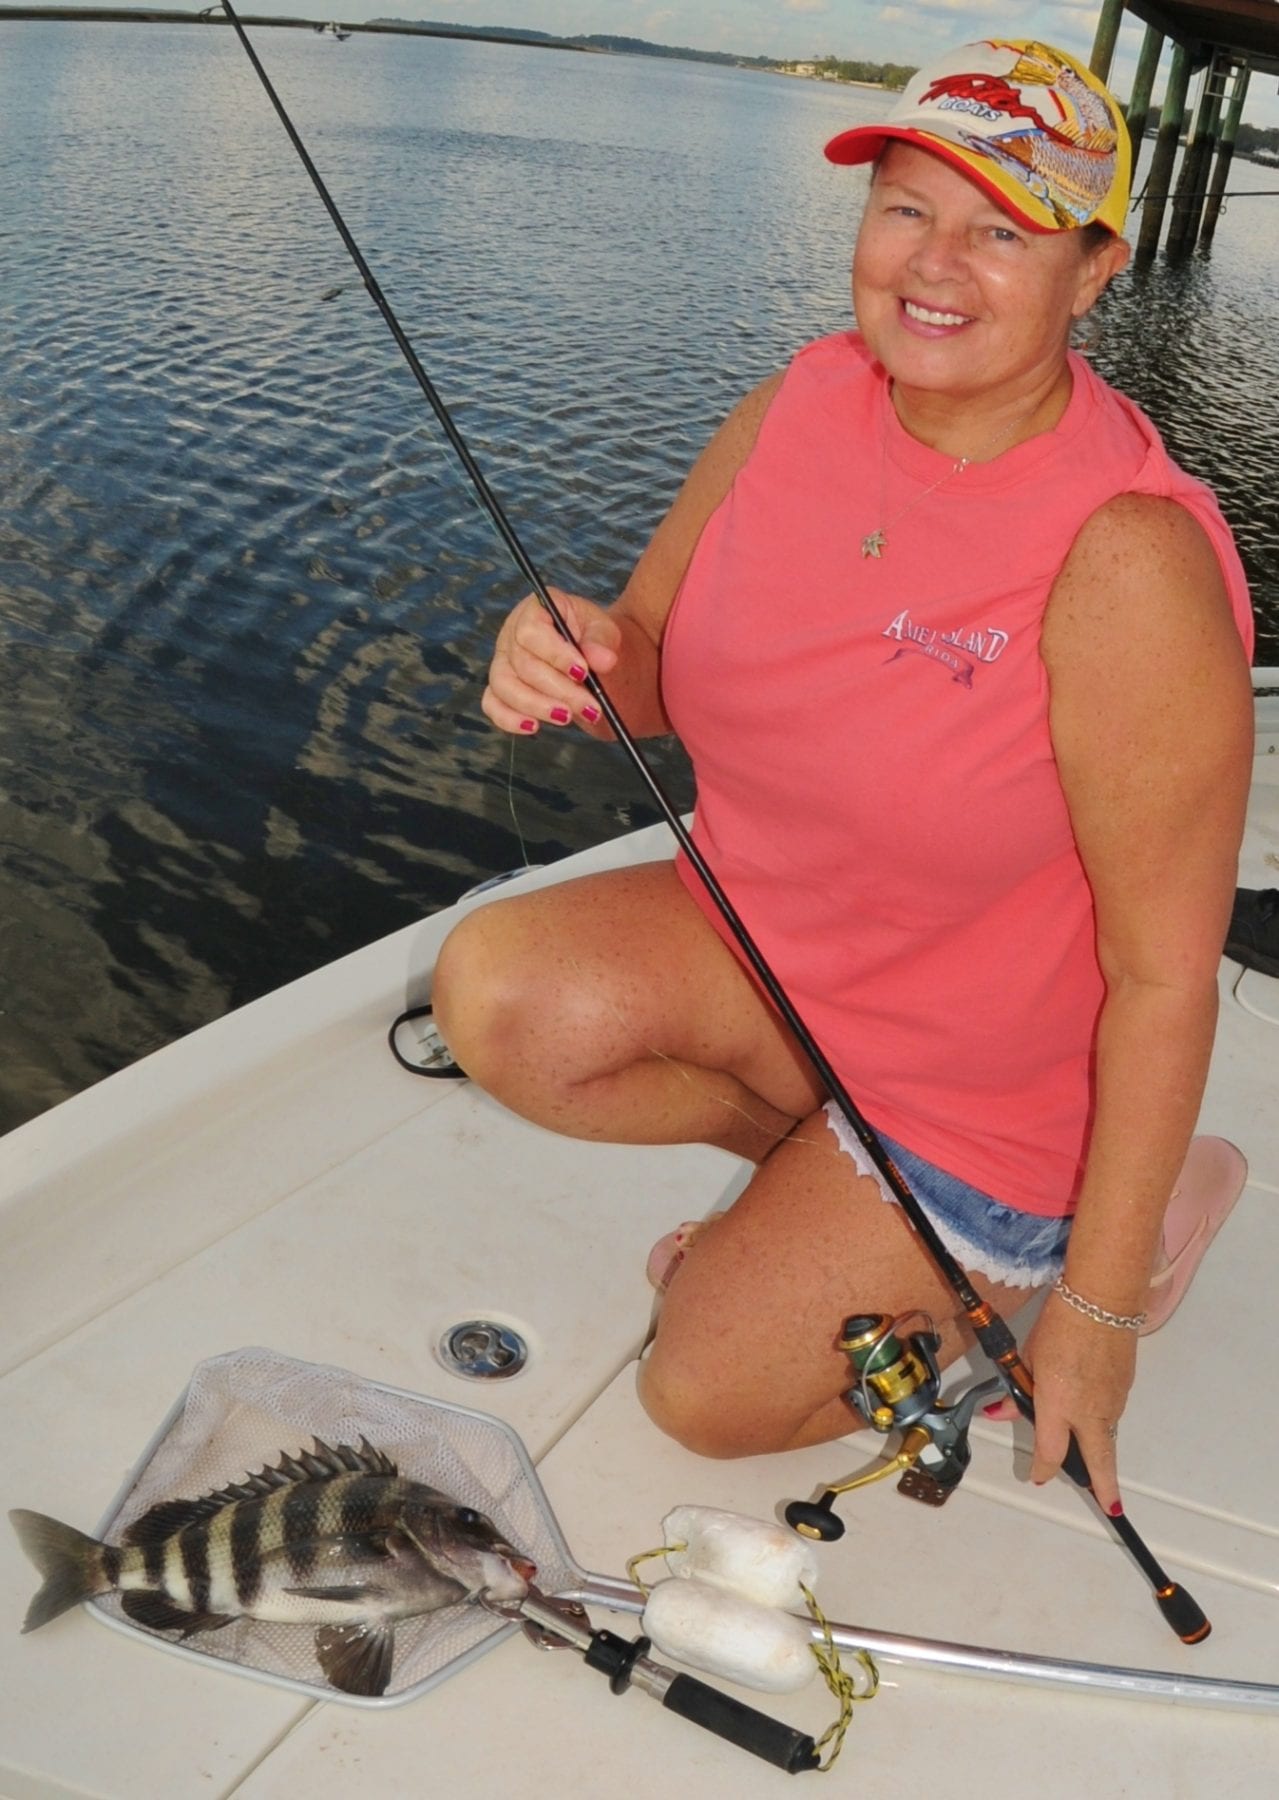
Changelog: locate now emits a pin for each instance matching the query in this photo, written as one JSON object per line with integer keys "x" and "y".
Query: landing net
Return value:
{"x": 243, "y": 1409}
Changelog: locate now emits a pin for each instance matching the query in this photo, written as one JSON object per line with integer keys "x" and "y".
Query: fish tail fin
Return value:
{"x": 72, "y": 1564}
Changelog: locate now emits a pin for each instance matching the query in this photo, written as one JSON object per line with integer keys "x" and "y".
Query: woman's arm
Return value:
{"x": 1151, "y": 721}
{"x": 531, "y": 680}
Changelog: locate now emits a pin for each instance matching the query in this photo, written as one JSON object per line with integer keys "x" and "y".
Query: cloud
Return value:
{"x": 806, "y": 6}
{"x": 985, "y": 9}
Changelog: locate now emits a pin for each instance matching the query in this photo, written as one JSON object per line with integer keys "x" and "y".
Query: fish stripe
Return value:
{"x": 173, "y": 1581}
{"x": 366, "y": 1503}
{"x": 194, "y": 1542}
{"x": 111, "y": 1564}
{"x": 271, "y": 1522}
{"x": 301, "y": 1518}
{"x": 223, "y": 1597}
{"x": 153, "y": 1557}
{"x": 246, "y": 1554}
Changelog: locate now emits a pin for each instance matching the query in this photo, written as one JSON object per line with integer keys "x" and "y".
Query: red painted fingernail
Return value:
{"x": 1117, "y": 1510}
{"x": 590, "y": 714}
{"x": 560, "y": 715}
{"x": 578, "y": 672}
{"x": 528, "y": 725}
{"x": 988, "y": 1412}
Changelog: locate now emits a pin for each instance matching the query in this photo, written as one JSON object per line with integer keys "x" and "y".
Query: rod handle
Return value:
{"x": 1183, "y": 1612}
{"x": 770, "y": 1739}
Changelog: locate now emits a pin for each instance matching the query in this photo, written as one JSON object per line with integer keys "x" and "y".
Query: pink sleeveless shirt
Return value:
{"x": 876, "y": 787}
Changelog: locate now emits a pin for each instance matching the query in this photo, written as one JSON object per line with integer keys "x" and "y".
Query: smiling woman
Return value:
{"x": 960, "y": 659}
{"x": 965, "y": 304}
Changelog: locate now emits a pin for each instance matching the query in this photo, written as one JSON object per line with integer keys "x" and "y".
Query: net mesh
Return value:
{"x": 243, "y": 1409}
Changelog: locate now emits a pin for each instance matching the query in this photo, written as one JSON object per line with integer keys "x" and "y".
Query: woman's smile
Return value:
{"x": 930, "y": 320}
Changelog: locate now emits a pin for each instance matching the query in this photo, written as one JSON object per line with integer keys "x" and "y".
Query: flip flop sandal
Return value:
{"x": 668, "y": 1253}
{"x": 1210, "y": 1182}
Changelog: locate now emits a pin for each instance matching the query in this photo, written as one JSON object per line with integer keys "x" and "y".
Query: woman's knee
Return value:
{"x": 695, "y": 1418}
{"x": 477, "y": 996}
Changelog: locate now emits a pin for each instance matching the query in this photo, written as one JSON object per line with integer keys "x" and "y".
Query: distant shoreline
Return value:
{"x": 133, "y": 15}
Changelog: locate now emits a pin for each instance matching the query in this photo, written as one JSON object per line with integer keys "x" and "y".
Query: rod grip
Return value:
{"x": 1183, "y": 1612}
{"x": 776, "y": 1743}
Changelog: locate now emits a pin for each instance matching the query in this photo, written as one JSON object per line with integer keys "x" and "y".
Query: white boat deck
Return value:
{"x": 275, "y": 1179}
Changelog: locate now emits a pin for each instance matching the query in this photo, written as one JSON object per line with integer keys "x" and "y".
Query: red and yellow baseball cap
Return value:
{"x": 1030, "y": 125}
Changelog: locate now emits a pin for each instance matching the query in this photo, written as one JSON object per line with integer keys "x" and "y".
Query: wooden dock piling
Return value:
{"x": 1232, "y": 39}
{"x": 1160, "y": 177}
{"x": 1225, "y": 155}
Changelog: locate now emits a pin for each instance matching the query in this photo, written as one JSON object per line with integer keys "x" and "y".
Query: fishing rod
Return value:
{"x": 991, "y": 1331}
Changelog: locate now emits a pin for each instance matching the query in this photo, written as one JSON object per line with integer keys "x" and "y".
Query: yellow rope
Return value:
{"x": 648, "y": 1556}
{"x": 838, "y": 1680}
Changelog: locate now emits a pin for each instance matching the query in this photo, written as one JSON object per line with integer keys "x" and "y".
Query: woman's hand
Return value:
{"x": 536, "y": 676}
{"x": 1082, "y": 1372}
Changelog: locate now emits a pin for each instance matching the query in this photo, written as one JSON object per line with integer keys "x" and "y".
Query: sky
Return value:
{"x": 879, "y": 30}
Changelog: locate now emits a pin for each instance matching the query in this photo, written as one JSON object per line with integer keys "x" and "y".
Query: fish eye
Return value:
{"x": 467, "y": 1515}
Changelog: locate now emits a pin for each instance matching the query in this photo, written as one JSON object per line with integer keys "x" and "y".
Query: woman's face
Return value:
{"x": 953, "y": 296}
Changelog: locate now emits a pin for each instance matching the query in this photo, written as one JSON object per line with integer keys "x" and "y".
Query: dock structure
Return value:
{"x": 1224, "y": 41}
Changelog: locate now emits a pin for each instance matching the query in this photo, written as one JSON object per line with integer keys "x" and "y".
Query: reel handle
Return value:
{"x": 815, "y": 1518}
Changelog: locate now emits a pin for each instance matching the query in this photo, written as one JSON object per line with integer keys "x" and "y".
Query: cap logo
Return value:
{"x": 986, "y": 95}
{"x": 1069, "y": 166}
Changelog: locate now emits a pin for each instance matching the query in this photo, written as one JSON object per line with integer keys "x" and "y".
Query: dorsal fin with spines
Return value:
{"x": 321, "y": 1463}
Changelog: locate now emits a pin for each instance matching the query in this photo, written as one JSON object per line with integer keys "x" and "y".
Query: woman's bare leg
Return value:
{"x": 745, "y": 1359}
{"x": 609, "y": 1008}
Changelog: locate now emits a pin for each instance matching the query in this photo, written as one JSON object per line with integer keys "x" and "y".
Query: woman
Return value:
{"x": 961, "y": 661}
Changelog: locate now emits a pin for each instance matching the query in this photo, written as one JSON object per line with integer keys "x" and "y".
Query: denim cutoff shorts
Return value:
{"x": 1018, "y": 1249}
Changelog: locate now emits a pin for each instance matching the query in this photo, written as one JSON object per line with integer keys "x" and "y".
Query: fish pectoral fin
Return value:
{"x": 356, "y": 1657}
{"x": 159, "y": 1614}
{"x": 344, "y": 1596}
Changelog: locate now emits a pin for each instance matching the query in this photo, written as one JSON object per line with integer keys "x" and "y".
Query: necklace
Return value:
{"x": 876, "y": 542}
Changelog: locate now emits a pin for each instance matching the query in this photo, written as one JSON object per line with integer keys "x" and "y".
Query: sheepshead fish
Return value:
{"x": 338, "y": 1539}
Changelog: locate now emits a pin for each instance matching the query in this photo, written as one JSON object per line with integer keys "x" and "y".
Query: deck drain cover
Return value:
{"x": 482, "y": 1350}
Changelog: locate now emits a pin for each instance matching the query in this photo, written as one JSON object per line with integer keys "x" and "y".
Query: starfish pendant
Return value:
{"x": 874, "y": 544}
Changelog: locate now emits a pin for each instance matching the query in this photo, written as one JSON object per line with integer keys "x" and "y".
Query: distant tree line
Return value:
{"x": 1252, "y": 138}
{"x": 835, "y": 68}
{"x": 628, "y": 46}
{"x": 622, "y": 46}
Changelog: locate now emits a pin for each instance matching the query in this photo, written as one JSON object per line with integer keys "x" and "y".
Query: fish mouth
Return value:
{"x": 511, "y": 1579}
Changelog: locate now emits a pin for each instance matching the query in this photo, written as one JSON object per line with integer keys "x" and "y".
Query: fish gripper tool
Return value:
{"x": 626, "y": 1663}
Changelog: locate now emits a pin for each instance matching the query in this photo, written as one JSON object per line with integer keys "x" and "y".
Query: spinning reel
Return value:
{"x": 897, "y": 1389}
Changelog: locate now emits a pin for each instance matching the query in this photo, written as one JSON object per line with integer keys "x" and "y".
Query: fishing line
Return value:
{"x": 510, "y": 801}
{"x": 989, "y": 1328}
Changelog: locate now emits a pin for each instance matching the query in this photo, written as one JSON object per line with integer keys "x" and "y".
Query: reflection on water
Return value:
{"x": 245, "y": 597}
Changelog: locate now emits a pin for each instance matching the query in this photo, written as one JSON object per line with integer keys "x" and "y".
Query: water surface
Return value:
{"x": 245, "y": 597}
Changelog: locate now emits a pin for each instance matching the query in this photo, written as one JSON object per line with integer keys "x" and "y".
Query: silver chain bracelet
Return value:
{"x": 1121, "y": 1321}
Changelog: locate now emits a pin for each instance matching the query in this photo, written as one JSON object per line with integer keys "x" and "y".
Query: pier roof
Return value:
{"x": 1249, "y": 28}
